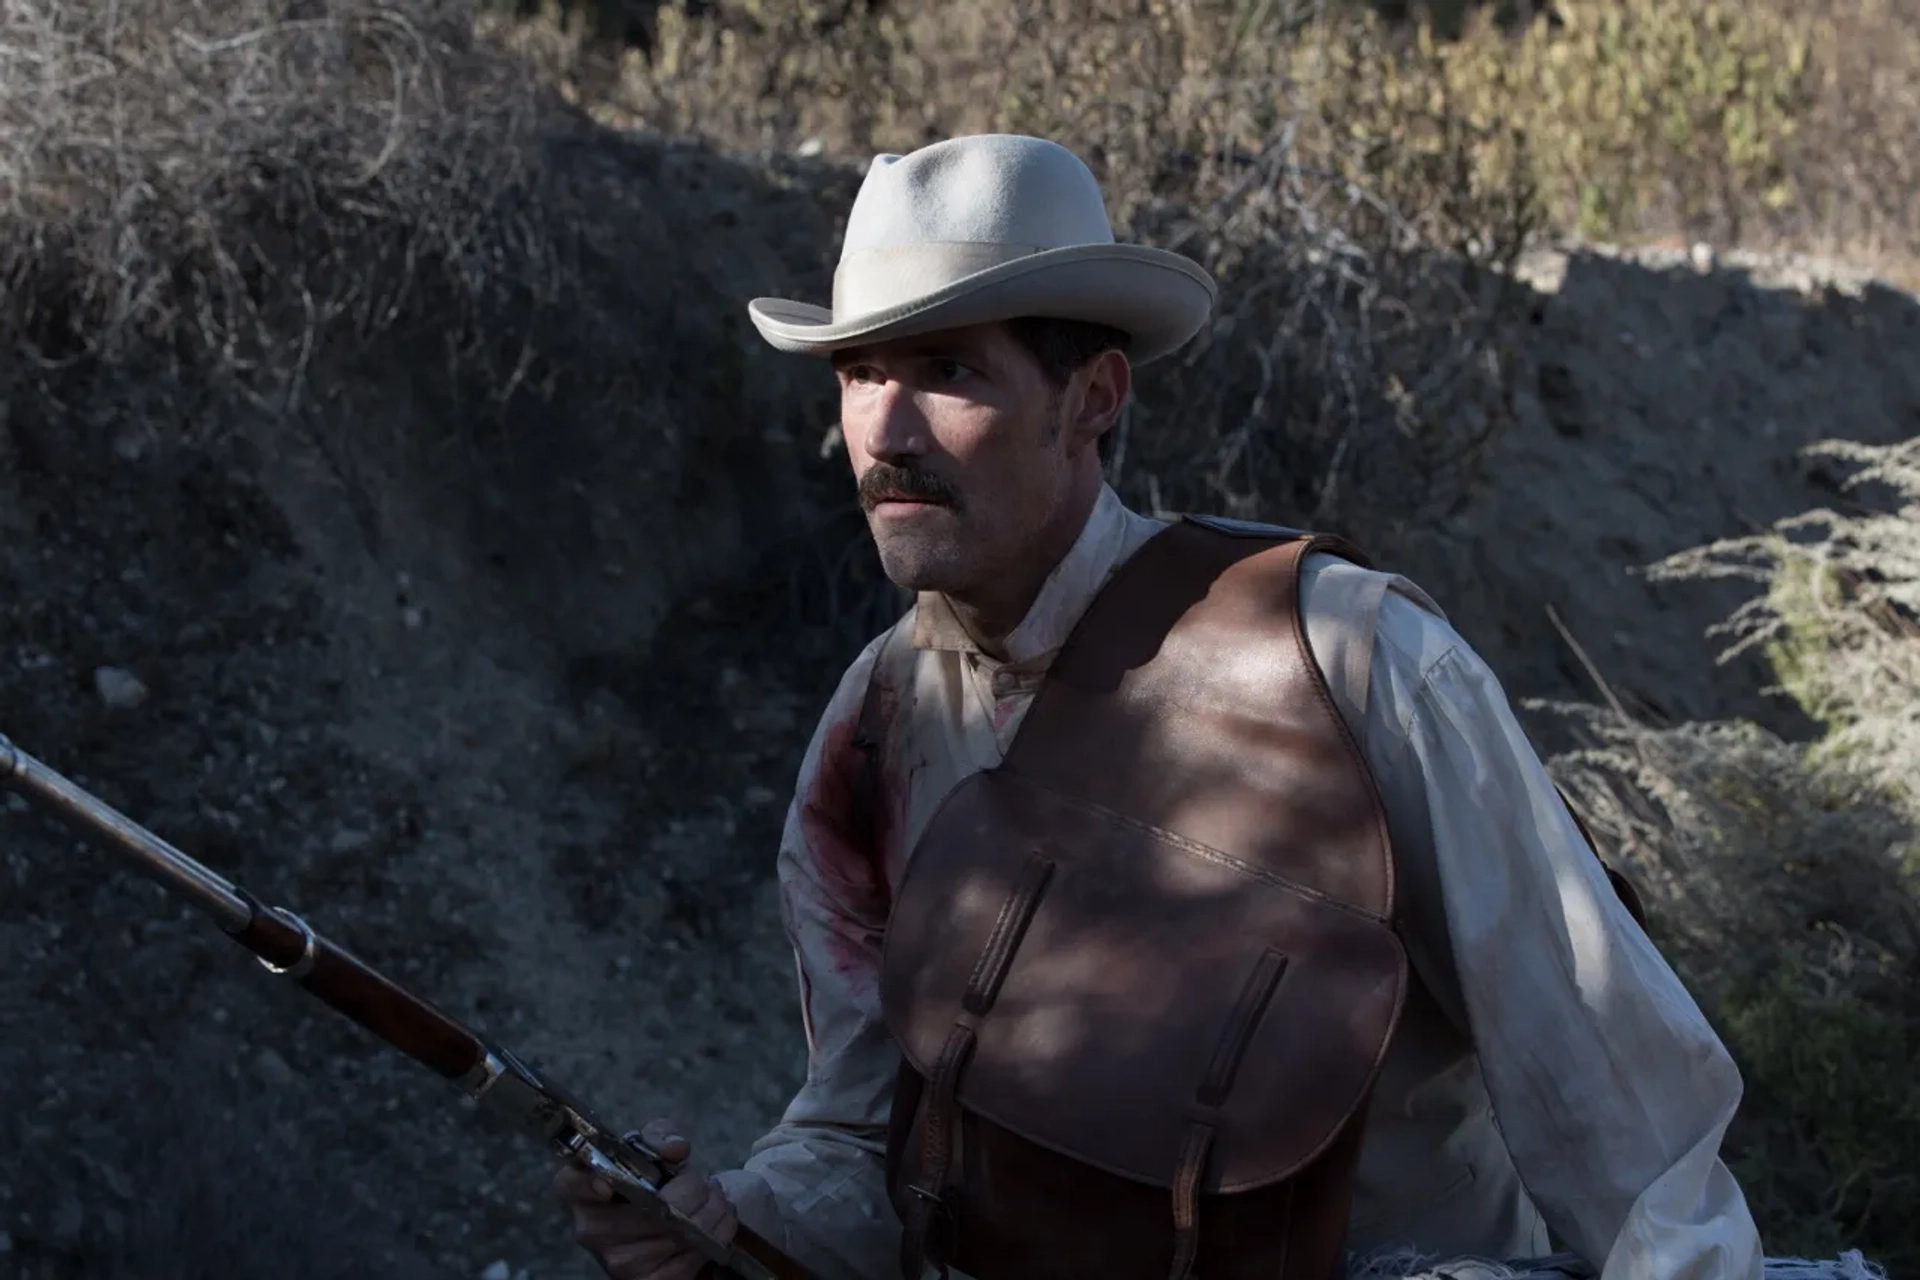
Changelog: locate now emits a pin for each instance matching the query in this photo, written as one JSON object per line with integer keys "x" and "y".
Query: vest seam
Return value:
{"x": 1203, "y": 851}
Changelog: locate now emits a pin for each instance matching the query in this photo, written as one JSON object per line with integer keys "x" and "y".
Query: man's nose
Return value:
{"x": 890, "y": 425}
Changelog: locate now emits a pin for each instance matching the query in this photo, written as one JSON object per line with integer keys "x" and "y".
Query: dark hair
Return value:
{"x": 1062, "y": 346}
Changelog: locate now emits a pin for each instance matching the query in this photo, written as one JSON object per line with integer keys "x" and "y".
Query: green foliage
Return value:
{"x": 1803, "y": 595}
{"x": 1735, "y": 121}
{"x": 1829, "y": 1034}
{"x": 1636, "y": 107}
{"x": 1786, "y": 876}
{"x": 1778, "y": 891}
{"x": 1831, "y": 1119}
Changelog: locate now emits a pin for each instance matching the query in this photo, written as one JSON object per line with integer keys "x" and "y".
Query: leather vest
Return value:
{"x": 1143, "y": 973}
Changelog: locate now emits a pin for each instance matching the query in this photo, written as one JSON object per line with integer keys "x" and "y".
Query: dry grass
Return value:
{"x": 1840, "y": 614}
{"x": 1754, "y": 125}
{"x": 1768, "y": 125}
{"x": 1358, "y": 185}
{"x": 1363, "y": 252}
{"x": 1786, "y": 876}
{"x": 230, "y": 184}
{"x": 1851, "y": 159}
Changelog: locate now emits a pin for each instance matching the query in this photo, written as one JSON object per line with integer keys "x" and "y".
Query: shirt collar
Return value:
{"x": 1111, "y": 534}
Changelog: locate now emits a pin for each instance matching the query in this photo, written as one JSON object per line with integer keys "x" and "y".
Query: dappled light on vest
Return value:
{"x": 1169, "y": 904}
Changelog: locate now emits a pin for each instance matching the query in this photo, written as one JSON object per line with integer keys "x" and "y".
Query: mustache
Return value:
{"x": 883, "y": 480}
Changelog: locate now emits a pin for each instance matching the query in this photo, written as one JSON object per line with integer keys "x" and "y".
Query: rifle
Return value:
{"x": 289, "y": 947}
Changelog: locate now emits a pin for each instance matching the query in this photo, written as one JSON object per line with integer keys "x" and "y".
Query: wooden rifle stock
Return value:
{"x": 289, "y": 948}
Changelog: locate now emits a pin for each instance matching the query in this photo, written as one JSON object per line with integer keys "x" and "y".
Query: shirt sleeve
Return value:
{"x": 815, "y": 1185}
{"x": 1611, "y": 1089}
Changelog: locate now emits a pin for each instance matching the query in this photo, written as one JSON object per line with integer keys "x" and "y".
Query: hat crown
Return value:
{"x": 988, "y": 189}
{"x": 986, "y": 228}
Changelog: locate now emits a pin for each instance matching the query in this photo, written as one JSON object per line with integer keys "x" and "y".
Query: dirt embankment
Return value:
{"x": 514, "y": 716}
{"x": 464, "y": 690}
{"x": 1662, "y": 400}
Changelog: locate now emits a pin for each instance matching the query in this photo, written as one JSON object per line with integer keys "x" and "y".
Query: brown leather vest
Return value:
{"x": 1143, "y": 973}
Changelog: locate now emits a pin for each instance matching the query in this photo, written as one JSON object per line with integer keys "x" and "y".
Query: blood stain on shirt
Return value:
{"x": 1003, "y": 711}
{"x": 851, "y": 845}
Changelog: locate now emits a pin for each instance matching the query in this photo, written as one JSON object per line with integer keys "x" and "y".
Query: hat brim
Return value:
{"x": 1159, "y": 298}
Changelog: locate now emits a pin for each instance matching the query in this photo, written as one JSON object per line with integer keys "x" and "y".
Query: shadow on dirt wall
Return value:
{"x": 1660, "y": 407}
{"x": 334, "y": 652}
{"x": 514, "y": 712}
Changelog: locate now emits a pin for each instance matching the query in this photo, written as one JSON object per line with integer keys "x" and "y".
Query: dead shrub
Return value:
{"x": 364, "y": 229}
{"x": 1359, "y": 185}
{"x": 165, "y": 166}
{"x": 1294, "y": 148}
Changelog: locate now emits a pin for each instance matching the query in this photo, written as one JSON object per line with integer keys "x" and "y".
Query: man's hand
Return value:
{"x": 631, "y": 1243}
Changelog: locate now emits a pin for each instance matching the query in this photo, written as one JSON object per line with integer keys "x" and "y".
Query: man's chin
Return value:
{"x": 922, "y": 564}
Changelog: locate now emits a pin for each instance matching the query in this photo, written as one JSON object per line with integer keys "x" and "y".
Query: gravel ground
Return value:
{"x": 578, "y": 871}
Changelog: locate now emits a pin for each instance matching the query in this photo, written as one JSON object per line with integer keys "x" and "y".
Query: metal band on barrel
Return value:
{"x": 304, "y": 965}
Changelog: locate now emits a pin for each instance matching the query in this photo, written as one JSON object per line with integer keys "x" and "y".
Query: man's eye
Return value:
{"x": 950, "y": 370}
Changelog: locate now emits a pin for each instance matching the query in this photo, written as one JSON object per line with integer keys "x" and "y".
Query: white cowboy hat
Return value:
{"x": 987, "y": 228}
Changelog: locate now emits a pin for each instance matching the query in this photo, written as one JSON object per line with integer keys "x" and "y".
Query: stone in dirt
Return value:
{"x": 119, "y": 688}
{"x": 273, "y": 1068}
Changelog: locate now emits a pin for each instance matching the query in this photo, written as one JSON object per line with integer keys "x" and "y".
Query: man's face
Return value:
{"x": 964, "y": 452}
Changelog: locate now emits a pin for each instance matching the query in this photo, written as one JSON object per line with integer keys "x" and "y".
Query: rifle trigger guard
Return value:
{"x": 304, "y": 965}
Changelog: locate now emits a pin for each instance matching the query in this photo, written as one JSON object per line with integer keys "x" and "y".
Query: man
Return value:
{"x": 1505, "y": 1064}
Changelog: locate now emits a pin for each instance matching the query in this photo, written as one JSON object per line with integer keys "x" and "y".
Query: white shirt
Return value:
{"x": 1550, "y": 1070}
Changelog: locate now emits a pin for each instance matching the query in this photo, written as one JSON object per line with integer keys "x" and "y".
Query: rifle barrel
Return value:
{"x": 212, "y": 893}
{"x": 281, "y": 940}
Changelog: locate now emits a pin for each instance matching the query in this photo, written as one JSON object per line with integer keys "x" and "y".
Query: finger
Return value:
{"x": 716, "y": 1217}
{"x": 664, "y": 1137}
{"x": 571, "y": 1182}
{"x": 687, "y": 1192}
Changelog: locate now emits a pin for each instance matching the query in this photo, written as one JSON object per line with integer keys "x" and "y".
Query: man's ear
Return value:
{"x": 1106, "y": 382}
